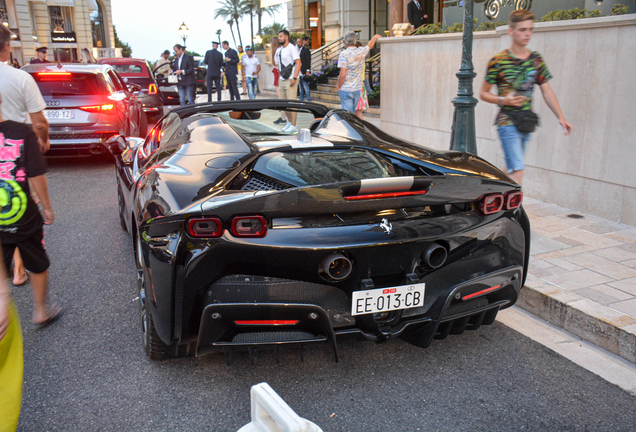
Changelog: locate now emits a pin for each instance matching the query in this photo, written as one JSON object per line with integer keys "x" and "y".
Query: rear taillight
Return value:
{"x": 152, "y": 89}
{"x": 491, "y": 204}
{"x": 249, "y": 226}
{"x": 513, "y": 200}
{"x": 205, "y": 227}
{"x": 103, "y": 109}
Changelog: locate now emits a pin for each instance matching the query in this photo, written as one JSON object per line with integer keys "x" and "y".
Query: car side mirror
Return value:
{"x": 117, "y": 145}
{"x": 159, "y": 76}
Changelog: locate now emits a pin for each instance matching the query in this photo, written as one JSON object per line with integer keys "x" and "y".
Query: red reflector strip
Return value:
{"x": 385, "y": 195}
{"x": 267, "y": 322}
{"x": 482, "y": 292}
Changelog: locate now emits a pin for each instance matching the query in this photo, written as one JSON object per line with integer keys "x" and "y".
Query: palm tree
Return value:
{"x": 270, "y": 10}
{"x": 230, "y": 22}
{"x": 233, "y": 9}
{"x": 273, "y": 29}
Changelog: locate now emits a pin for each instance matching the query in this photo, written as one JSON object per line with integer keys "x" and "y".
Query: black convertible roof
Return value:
{"x": 251, "y": 104}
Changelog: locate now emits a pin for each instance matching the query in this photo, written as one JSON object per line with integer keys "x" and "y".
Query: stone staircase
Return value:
{"x": 327, "y": 94}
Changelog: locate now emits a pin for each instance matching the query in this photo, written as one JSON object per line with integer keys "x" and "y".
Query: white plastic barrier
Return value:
{"x": 270, "y": 413}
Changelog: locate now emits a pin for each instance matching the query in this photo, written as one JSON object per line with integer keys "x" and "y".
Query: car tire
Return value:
{"x": 153, "y": 345}
{"x": 120, "y": 202}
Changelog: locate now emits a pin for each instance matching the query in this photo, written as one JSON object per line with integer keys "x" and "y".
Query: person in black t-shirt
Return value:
{"x": 21, "y": 163}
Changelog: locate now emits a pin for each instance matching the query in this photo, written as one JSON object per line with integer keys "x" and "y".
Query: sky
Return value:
{"x": 150, "y": 27}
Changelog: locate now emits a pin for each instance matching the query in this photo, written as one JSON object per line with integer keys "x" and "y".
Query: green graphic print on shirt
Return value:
{"x": 516, "y": 76}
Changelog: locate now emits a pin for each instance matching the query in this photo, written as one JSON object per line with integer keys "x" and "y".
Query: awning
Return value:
{"x": 92, "y": 5}
{"x": 70, "y": 3}
{"x": 268, "y": 3}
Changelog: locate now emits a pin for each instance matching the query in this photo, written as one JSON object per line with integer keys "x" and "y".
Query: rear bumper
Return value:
{"x": 80, "y": 140}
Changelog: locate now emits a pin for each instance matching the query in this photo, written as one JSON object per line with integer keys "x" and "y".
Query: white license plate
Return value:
{"x": 387, "y": 299}
{"x": 59, "y": 114}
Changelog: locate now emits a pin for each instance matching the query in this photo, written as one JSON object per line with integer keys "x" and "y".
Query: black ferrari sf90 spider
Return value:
{"x": 247, "y": 236}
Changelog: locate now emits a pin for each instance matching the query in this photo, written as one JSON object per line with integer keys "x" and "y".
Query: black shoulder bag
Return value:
{"x": 525, "y": 121}
{"x": 285, "y": 71}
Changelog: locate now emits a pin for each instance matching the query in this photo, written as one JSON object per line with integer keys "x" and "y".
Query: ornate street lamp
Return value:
{"x": 184, "y": 33}
{"x": 463, "y": 132}
{"x": 218, "y": 33}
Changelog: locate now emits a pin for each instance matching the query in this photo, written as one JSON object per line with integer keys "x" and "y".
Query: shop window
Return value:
{"x": 64, "y": 55}
{"x": 97, "y": 27}
{"x": 61, "y": 18}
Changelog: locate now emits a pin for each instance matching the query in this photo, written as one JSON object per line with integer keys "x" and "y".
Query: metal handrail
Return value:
{"x": 326, "y": 54}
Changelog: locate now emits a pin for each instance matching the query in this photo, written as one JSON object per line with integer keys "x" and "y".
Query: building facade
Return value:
{"x": 327, "y": 20}
{"x": 65, "y": 27}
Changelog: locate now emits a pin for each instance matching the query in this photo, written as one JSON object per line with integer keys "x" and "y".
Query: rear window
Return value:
{"x": 69, "y": 84}
{"x": 306, "y": 168}
{"x": 131, "y": 70}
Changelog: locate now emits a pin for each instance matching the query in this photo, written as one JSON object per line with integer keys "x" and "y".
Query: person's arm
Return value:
{"x": 341, "y": 77}
{"x": 295, "y": 78}
{"x": 371, "y": 43}
{"x": 551, "y": 99}
{"x": 41, "y": 129}
{"x": 258, "y": 69}
{"x": 5, "y": 300}
{"x": 509, "y": 100}
{"x": 234, "y": 58}
{"x": 40, "y": 187}
{"x": 189, "y": 66}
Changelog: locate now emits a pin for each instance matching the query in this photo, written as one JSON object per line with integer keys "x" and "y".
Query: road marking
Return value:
{"x": 605, "y": 364}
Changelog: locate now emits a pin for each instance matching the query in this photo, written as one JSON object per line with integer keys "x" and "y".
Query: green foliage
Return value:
{"x": 126, "y": 50}
{"x": 375, "y": 93}
{"x": 576, "y": 13}
{"x": 267, "y": 37}
{"x": 273, "y": 29}
{"x": 193, "y": 53}
{"x": 619, "y": 9}
{"x": 490, "y": 25}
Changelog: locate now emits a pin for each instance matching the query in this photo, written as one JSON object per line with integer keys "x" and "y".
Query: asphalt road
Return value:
{"x": 88, "y": 372}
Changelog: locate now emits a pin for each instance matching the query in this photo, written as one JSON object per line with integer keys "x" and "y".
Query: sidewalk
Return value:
{"x": 582, "y": 276}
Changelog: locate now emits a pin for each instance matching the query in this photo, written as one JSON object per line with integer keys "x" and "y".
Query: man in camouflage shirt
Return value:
{"x": 515, "y": 71}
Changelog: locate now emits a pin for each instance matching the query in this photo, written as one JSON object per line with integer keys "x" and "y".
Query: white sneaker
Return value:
{"x": 287, "y": 126}
{"x": 291, "y": 130}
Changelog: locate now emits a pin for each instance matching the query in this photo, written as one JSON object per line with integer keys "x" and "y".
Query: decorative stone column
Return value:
{"x": 398, "y": 7}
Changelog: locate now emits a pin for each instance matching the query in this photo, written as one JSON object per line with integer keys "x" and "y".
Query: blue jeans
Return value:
{"x": 304, "y": 89}
{"x": 513, "y": 143}
{"x": 186, "y": 91}
{"x": 349, "y": 100}
{"x": 251, "y": 87}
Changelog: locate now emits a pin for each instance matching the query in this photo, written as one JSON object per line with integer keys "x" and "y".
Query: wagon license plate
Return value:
{"x": 59, "y": 114}
{"x": 387, "y": 299}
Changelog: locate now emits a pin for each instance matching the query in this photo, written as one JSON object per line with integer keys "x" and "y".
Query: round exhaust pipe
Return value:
{"x": 335, "y": 267}
{"x": 434, "y": 256}
{"x": 96, "y": 149}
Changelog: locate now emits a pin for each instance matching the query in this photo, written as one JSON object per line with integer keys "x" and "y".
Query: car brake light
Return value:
{"x": 266, "y": 322}
{"x": 152, "y": 89}
{"x": 105, "y": 109}
{"x": 205, "y": 227}
{"x": 513, "y": 200}
{"x": 491, "y": 204}
{"x": 54, "y": 74}
{"x": 249, "y": 226}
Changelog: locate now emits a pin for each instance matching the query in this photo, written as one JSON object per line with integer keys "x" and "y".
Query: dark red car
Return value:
{"x": 136, "y": 71}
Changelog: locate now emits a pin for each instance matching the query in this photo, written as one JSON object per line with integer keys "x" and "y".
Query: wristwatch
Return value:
{"x": 500, "y": 101}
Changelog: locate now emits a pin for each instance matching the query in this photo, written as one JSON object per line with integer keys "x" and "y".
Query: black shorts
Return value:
{"x": 32, "y": 252}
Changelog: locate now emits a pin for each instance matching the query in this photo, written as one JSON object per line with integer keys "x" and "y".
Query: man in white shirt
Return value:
{"x": 22, "y": 100}
{"x": 288, "y": 61}
{"x": 251, "y": 68}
